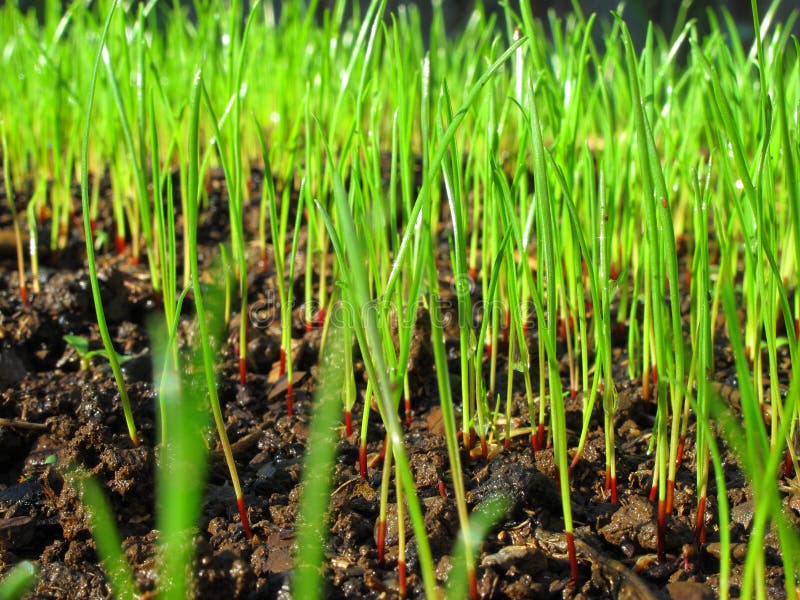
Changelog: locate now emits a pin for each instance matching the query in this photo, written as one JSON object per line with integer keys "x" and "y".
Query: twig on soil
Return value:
{"x": 19, "y": 424}
{"x": 627, "y": 583}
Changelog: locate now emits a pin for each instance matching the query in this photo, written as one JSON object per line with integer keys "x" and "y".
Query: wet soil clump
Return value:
{"x": 56, "y": 415}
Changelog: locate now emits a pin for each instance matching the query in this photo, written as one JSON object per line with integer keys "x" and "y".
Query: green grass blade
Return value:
{"x": 318, "y": 473}
{"x": 106, "y": 535}
{"x": 19, "y": 580}
{"x": 87, "y": 231}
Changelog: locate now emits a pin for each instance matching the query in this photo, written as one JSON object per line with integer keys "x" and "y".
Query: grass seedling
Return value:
{"x": 106, "y": 534}
{"x": 703, "y": 350}
{"x": 372, "y": 350}
{"x": 547, "y": 329}
{"x": 81, "y": 345}
{"x": 12, "y": 206}
{"x": 181, "y": 482}
{"x": 207, "y": 351}
{"x": 663, "y": 268}
{"x": 317, "y": 471}
{"x": 19, "y": 580}
{"x": 570, "y": 196}
{"x": 87, "y": 231}
{"x": 278, "y": 229}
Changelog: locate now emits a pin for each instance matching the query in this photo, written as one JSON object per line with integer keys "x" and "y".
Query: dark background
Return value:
{"x": 637, "y": 13}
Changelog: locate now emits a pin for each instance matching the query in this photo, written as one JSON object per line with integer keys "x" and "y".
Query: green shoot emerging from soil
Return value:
{"x": 516, "y": 236}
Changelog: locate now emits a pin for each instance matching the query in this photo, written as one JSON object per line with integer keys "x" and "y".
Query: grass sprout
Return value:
{"x": 560, "y": 225}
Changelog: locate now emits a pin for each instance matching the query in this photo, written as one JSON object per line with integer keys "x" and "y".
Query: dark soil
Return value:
{"x": 75, "y": 415}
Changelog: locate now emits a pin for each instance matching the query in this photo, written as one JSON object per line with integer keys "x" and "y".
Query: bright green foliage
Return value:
{"x": 565, "y": 188}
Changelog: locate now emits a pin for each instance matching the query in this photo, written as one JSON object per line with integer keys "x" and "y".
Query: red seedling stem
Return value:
{"x": 613, "y": 272}
{"x": 362, "y": 461}
{"x": 787, "y": 465}
{"x": 700, "y": 522}
{"x": 401, "y": 578}
{"x": 381, "y": 541}
{"x": 662, "y": 529}
{"x": 120, "y": 245}
{"x": 670, "y": 495}
{"x": 409, "y": 414}
{"x": 573, "y": 559}
{"x": 539, "y": 437}
{"x": 290, "y": 399}
{"x": 23, "y": 294}
{"x": 653, "y": 492}
{"x": 473, "y": 273}
{"x": 262, "y": 260}
{"x": 348, "y": 423}
{"x": 321, "y": 317}
{"x": 574, "y": 462}
{"x": 243, "y": 516}
{"x": 473, "y": 585}
{"x": 282, "y": 363}
{"x": 681, "y": 446}
{"x": 611, "y": 484}
{"x": 242, "y": 370}
{"x": 383, "y": 448}
{"x": 442, "y": 490}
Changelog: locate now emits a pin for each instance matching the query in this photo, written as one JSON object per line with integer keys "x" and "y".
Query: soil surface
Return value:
{"x": 55, "y": 415}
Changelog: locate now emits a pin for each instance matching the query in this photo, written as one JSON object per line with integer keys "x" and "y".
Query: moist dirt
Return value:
{"x": 56, "y": 415}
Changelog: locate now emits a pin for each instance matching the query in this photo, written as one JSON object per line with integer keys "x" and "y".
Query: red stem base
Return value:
{"x": 348, "y": 423}
{"x": 362, "y": 461}
{"x": 120, "y": 245}
{"x": 670, "y": 495}
{"x": 573, "y": 559}
{"x": 383, "y": 448}
{"x": 681, "y": 446}
{"x": 242, "y": 370}
{"x": 290, "y": 399}
{"x": 611, "y": 484}
{"x": 473, "y": 585}
{"x": 700, "y": 522}
{"x": 243, "y": 516}
{"x": 401, "y": 578}
{"x": 537, "y": 440}
{"x": 381, "y": 541}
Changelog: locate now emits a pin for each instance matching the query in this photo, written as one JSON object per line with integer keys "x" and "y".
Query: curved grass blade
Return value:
{"x": 87, "y": 230}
